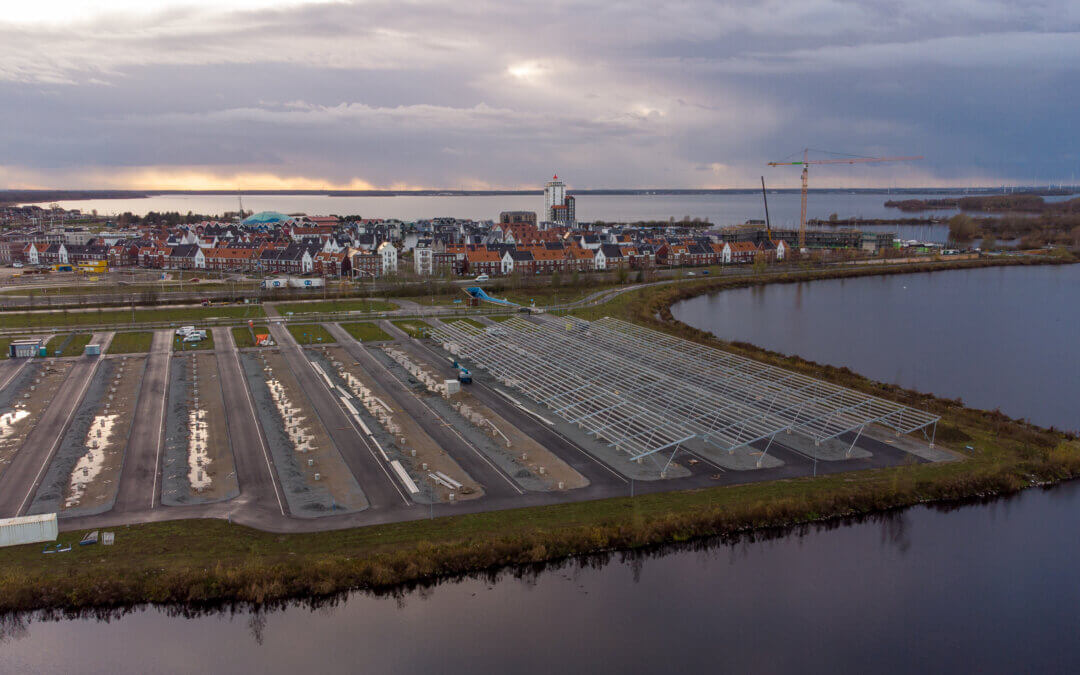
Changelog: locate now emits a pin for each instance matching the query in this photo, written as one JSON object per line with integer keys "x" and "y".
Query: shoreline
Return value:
{"x": 154, "y": 563}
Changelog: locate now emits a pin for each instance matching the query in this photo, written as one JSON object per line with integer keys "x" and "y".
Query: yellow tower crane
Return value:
{"x": 805, "y": 164}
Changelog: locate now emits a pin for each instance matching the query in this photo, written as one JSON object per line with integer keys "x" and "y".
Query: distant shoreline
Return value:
{"x": 38, "y": 196}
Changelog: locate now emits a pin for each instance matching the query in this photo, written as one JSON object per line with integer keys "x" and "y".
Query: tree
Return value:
{"x": 759, "y": 262}
{"x": 962, "y": 228}
{"x": 989, "y": 242}
{"x": 556, "y": 279}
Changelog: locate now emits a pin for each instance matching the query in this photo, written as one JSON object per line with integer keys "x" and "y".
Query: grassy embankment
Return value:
{"x": 310, "y": 333}
{"x": 133, "y": 342}
{"x": 326, "y": 306}
{"x": 206, "y": 561}
{"x": 366, "y": 331}
{"x": 413, "y": 327}
{"x": 103, "y": 287}
{"x": 121, "y": 317}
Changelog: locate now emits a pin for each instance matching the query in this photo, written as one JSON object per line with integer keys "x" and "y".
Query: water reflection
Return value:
{"x": 986, "y": 586}
{"x": 932, "y": 332}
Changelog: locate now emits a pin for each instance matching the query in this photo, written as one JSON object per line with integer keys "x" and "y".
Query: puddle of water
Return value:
{"x": 90, "y": 464}
{"x": 8, "y": 421}
{"x": 300, "y": 437}
{"x": 198, "y": 457}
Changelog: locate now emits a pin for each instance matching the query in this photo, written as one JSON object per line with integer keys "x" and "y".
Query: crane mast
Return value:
{"x": 805, "y": 164}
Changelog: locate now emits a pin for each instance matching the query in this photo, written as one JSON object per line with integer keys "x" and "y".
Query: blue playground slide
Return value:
{"x": 479, "y": 294}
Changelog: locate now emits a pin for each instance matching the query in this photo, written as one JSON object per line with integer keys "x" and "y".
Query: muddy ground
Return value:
{"x": 27, "y": 400}
{"x": 83, "y": 477}
{"x": 297, "y": 461}
{"x": 197, "y": 470}
{"x": 402, "y": 438}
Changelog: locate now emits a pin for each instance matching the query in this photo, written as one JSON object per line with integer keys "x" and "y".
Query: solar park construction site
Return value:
{"x": 403, "y": 420}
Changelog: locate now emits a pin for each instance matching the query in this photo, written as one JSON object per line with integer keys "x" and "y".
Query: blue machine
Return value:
{"x": 464, "y": 376}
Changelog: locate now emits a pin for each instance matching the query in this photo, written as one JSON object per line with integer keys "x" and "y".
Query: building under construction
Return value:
{"x": 756, "y": 233}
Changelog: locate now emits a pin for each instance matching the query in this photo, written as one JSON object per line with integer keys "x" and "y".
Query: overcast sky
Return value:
{"x": 409, "y": 93}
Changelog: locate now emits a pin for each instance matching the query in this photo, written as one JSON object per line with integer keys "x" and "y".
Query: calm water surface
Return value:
{"x": 984, "y": 588}
{"x": 996, "y": 337}
{"x": 723, "y": 209}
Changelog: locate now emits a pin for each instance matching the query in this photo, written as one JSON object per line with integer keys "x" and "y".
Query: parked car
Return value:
{"x": 482, "y": 277}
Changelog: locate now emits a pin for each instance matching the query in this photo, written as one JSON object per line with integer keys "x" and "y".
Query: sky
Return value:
{"x": 400, "y": 94}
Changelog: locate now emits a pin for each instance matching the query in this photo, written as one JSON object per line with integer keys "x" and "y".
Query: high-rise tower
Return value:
{"x": 554, "y": 195}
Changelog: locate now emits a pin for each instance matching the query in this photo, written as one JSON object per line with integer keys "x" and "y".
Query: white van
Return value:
{"x": 482, "y": 277}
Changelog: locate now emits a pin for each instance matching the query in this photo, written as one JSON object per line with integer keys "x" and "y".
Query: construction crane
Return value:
{"x": 805, "y": 164}
{"x": 768, "y": 226}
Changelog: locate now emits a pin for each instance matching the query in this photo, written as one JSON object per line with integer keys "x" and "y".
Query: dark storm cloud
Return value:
{"x": 612, "y": 94}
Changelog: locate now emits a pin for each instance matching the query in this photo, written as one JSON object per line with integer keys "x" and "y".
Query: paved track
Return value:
{"x": 21, "y": 479}
{"x": 140, "y": 477}
{"x": 494, "y": 480}
{"x": 260, "y": 489}
{"x": 381, "y": 490}
{"x": 10, "y": 369}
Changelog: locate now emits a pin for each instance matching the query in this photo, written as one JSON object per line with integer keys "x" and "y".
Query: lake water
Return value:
{"x": 721, "y": 209}
{"x": 983, "y": 588}
{"x": 1001, "y": 337}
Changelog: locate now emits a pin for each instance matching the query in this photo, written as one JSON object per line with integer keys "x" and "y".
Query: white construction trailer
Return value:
{"x": 28, "y": 529}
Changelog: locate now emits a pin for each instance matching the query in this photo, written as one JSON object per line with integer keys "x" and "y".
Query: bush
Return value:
{"x": 962, "y": 228}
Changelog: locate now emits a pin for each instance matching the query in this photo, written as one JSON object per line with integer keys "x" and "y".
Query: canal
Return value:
{"x": 979, "y": 588}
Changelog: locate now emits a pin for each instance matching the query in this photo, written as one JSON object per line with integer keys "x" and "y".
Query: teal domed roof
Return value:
{"x": 264, "y": 217}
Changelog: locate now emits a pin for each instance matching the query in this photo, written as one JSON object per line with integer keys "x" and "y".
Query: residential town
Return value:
{"x": 352, "y": 247}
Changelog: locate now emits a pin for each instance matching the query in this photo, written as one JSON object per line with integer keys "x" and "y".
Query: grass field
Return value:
{"x": 412, "y": 326}
{"x": 106, "y": 287}
{"x": 124, "y": 316}
{"x": 366, "y": 331}
{"x": 550, "y": 296}
{"x": 242, "y": 335}
{"x": 310, "y": 333}
{"x": 439, "y": 300}
{"x": 134, "y": 342}
{"x": 180, "y": 345}
{"x": 320, "y": 306}
{"x": 69, "y": 344}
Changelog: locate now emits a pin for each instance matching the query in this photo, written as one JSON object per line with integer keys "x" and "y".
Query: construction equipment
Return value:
{"x": 805, "y": 164}
{"x": 768, "y": 226}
